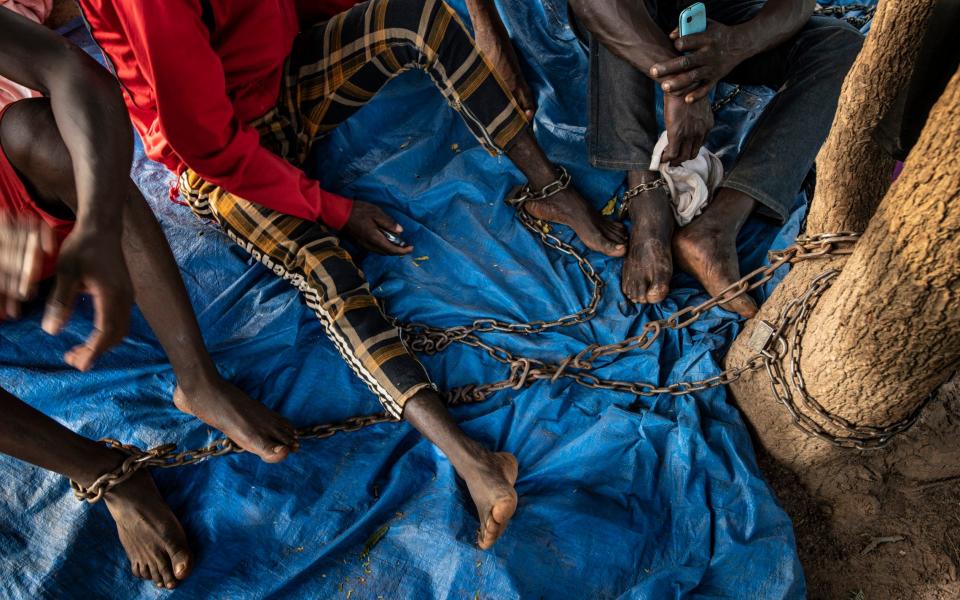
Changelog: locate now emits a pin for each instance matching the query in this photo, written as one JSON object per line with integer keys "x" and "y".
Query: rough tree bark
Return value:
{"x": 882, "y": 338}
{"x": 851, "y": 178}
{"x": 852, "y": 169}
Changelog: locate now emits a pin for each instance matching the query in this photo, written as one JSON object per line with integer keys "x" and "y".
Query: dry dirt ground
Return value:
{"x": 890, "y": 526}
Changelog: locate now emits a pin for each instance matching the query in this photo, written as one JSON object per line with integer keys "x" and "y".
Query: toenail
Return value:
{"x": 278, "y": 449}
{"x": 181, "y": 569}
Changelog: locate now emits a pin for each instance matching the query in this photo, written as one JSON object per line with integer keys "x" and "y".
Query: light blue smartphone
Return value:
{"x": 693, "y": 19}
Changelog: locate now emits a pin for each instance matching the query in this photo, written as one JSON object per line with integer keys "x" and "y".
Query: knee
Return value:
{"x": 842, "y": 41}
{"x": 33, "y": 144}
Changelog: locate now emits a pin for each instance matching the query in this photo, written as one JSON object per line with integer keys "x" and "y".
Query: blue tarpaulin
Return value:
{"x": 619, "y": 496}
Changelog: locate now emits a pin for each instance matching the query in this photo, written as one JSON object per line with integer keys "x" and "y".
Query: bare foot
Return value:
{"x": 491, "y": 487}
{"x": 649, "y": 264}
{"x": 250, "y": 424}
{"x": 569, "y": 208}
{"x": 149, "y": 532}
{"x": 707, "y": 248}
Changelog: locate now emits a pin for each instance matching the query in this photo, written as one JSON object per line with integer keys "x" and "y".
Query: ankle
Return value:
{"x": 93, "y": 460}
{"x": 635, "y": 178}
{"x": 196, "y": 379}
{"x": 527, "y": 155}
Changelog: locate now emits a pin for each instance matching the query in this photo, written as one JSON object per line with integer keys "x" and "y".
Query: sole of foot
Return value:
{"x": 569, "y": 208}
{"x": 492, "y": 491}
{"x": 150, "y": 533}
{"x": 710, "y": 255}
{"x": 249, "y": 423}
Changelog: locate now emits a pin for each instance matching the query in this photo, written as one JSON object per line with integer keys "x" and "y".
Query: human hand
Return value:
{"x": 91, "y": 261}
{"x": 24, "y": 244}
{"x": 687, "y": 128}
{"x": 365, "y": 224}
{"x": 708, "y": 58}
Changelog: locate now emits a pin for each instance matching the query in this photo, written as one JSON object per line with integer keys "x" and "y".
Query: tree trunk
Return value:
{"x": 845, "y": 203}
{"x": 884, "y": 337}
{"x": 853, "y": 172}
{"x": 887, "y": 334}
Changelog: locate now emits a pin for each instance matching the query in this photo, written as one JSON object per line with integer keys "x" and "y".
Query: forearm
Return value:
{"x": 88, "y": 110}
{"x": 774, "y": 24}
{"x": 92, "y": 119}
{"x": 627, "y": 30}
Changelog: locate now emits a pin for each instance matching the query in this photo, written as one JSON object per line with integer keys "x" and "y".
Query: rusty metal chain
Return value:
{"x": 524, "y": 371}
{"x": 527, "y": 194}
{"x": 629, "y": 195}
{"x": 166, "y": 456}
{"x": 770, "y": 341}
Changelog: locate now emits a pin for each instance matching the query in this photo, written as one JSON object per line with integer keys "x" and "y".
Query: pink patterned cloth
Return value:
{"x": 35, "y": 10}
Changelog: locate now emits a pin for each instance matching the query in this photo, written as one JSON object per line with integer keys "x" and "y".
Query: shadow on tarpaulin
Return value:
{"x": 620, "y": 497}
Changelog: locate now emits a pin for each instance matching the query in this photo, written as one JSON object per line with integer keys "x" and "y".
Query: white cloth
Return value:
{"x": 691, "y": 184}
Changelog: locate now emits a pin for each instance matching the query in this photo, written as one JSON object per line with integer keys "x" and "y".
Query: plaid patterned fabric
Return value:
{"x": 309, "y": 256}
{"x": 334, "y": 69}
{"x": 338, "y": 66}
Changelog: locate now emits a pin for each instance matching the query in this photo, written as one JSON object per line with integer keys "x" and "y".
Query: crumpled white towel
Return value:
{"x": 691, "y": 184}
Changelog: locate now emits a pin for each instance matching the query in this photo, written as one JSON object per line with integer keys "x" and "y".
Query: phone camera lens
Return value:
{"x": 689, "y": 19}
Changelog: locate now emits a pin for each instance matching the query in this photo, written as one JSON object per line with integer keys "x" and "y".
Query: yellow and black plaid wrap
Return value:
{"x": 334, "y": 69}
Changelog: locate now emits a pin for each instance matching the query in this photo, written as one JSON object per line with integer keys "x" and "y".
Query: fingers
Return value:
{"x": 684, "y": 82}
{"x": 672, "y": 152}
{"x": 22, "y": 246}
{"x": 698, "y": 94}
{"x": 525, "y": 100}
{"x": 60, "y": 304}
{"x": 378, "y": 243}
{"x": 692, "y": 42}
{"x": 675, "y": 66}
{"x": 111, "y": 320}
{"x": 385, "y": 221}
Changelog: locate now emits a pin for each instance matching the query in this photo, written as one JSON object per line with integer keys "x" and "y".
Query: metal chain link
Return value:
{"x": 527, "y": 194}
{"x": 772, "y": 348}
{"x": 629, "y": 195}
{"x": 166, "y": 456}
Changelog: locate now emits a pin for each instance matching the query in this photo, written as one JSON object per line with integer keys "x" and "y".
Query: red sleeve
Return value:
{"x": 172, "y": 47}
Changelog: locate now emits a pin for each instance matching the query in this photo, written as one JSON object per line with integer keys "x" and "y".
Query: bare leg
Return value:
{"x": 707, "y": 247}
{"x": 489, "y": 476}
{"x": 649, "y": 265}
{"x": 567, "y": 207}
{"x": 34, "y": 146}
{"x": 151, "y": 535}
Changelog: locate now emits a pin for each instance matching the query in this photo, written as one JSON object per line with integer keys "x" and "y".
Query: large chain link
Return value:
{"x": 524, "y": 371}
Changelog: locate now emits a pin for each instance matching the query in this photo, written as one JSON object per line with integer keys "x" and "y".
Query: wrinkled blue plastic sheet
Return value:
{"x": 620, "y": 497}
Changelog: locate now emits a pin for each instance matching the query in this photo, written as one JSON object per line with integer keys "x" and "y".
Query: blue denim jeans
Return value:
{"x": 807, "y": 71}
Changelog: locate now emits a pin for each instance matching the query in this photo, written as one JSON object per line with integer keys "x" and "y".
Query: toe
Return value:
{"x": 612, "y": 248}
{"x": 165, "y": 570}
{"x": 657, "y": 292}
{"x": 180, "y": 559}
{"x": 145, "y": 571}
{"x": 743, "y": 306}
{"x": 615, "y": 232}
{"x": 275, "y": 452}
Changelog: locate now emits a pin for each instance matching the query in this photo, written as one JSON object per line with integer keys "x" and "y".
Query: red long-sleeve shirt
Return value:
{"x": 191, "y": 95}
